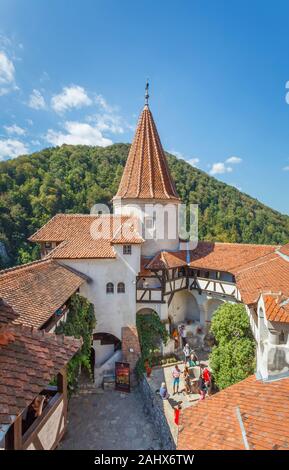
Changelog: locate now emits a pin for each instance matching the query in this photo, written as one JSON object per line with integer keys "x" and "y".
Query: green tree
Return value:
{"x": 233, "y": 357}
{"x": 80, "y": 324}
{"x": 71, "y": 178}
{"x": 151, "y": 333}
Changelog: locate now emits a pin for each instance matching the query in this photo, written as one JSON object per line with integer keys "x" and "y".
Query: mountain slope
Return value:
{"x": 72, "y": 178}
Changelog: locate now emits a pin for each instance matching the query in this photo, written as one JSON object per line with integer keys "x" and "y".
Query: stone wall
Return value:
{"x": 154, "y": 407}
{"x": 130, "y": 346}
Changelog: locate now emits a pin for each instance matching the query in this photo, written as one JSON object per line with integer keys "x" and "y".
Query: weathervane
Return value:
{"x": 147, "y": 94}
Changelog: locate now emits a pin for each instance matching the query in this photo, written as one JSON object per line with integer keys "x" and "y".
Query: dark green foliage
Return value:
{"x": 80, "y": 324}
{"x": 71, "y": 179}
{"x": 151, "y": 333}
{"x": 233, "y": 358}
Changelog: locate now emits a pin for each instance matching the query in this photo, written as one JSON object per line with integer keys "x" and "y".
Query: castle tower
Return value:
{"x": 147, "y": 189}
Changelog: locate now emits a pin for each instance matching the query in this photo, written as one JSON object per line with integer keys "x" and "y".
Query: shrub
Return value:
{"x": 233, "y": 357}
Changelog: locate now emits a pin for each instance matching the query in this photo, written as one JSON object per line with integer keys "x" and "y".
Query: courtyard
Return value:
{"x": 105, "y": 420}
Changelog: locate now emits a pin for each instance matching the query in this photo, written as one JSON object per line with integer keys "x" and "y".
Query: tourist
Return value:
{"x": 164, "y": 392}
{"x": 187, "y": 380}
{"x": 175, "y": 336}
{"x": 192, "y": 362}
{"x": 207, "y": 378}
{"x": 202, "y": 388}
{"x": 182, "y": 330}
{"x": 187, "y": 353}
{"x": 176, "y": 378}
{"x": 177, "y": 412}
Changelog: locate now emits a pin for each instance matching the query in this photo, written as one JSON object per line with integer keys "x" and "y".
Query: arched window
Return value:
{"x": 109, "y": 288}
{"x": 121, "y": 288}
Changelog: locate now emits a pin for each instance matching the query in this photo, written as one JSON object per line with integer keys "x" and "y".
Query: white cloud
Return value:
{"x": 286, "y": 168}
{"x": 78, "y": 133}
{"x": 7, "y": 74}
{"x": 35, "y": 142}
{"x": 192, "y": 161}
{"x": 71, "y": 97}
{"x": 11, "y": 148}
{"x": 106, "y": 122}
{"x": 176, "y": 153}
{"x": 101, "y": 101}
{"x": 14, "y": 129}
{"x": 220, "y": 168}
{"x": 36, "y": 100}
{"x": 234, "y": 160}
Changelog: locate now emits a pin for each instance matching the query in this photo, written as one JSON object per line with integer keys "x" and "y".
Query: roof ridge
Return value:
{"x": 24, "y": 266}
{"x": 249, "y": 265}
{"x": 45, "y": 225}
{"x": 242, "y": 244}
{"x": 37, "y": 333}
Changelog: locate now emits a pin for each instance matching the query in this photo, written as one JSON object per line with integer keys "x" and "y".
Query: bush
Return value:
{"x": 151, "y": 333}
{"x": 80, "y": 324}
{"x": 233, "y": 358}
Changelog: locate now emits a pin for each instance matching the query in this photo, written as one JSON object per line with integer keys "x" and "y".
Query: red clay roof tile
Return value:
{"x": 27, "y": 365}
{"x": 146, "y": 174}
{"x": 87, "y": 236}
{"x": 213, "y": 424}
{"x": 36, "y": 290}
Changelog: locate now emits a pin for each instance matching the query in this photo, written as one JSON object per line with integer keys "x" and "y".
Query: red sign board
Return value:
{"x": 122, "y": 376}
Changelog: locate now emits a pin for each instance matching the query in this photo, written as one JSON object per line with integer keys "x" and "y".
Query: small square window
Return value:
{"x": 149, "y": 221}
{"x": 127, "y": 249}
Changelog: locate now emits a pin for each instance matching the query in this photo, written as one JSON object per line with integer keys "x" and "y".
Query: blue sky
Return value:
{"x": 74, "y": 71}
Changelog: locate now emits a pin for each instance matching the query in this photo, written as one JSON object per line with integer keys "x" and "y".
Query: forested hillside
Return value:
{"x": 73, "y": 178}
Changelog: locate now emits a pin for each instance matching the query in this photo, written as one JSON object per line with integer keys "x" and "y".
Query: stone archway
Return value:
{"x": 145, "y": 311}
{"x": 184, "y": 307}
{"x": 104, "y": 345}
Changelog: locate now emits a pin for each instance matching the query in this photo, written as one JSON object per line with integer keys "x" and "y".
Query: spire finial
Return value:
{"x": 147, "y": 93}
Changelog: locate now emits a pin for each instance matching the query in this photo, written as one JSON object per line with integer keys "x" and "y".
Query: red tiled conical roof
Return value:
{"x": 146, "y": 174}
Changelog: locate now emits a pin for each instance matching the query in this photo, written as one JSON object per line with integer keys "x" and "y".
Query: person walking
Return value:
{"x": 187, "y": 380}
{"x": 183, "y": 335}
{"x": 187, "y": 353}
{"x": 176, "y": 378}
{"x": 177, "y": 412}
{"x": 207, "y": 378}
{"x": 202, "y": 388}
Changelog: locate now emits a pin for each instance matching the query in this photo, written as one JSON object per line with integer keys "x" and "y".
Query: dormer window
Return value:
{"x": 126, "y": 249}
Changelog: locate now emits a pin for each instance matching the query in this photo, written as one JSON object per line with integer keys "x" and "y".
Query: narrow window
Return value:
{"x": 121, "y": 288}
{"x": 127, "y": 249}
{"x": 109, "y": 288}
{"x": 149, "y": 221}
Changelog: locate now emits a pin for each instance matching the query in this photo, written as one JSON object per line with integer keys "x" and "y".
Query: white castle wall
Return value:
{"x": 272, "y": 356}
{"x": 112, "y": 311}
{"x": 166, "y": 221}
